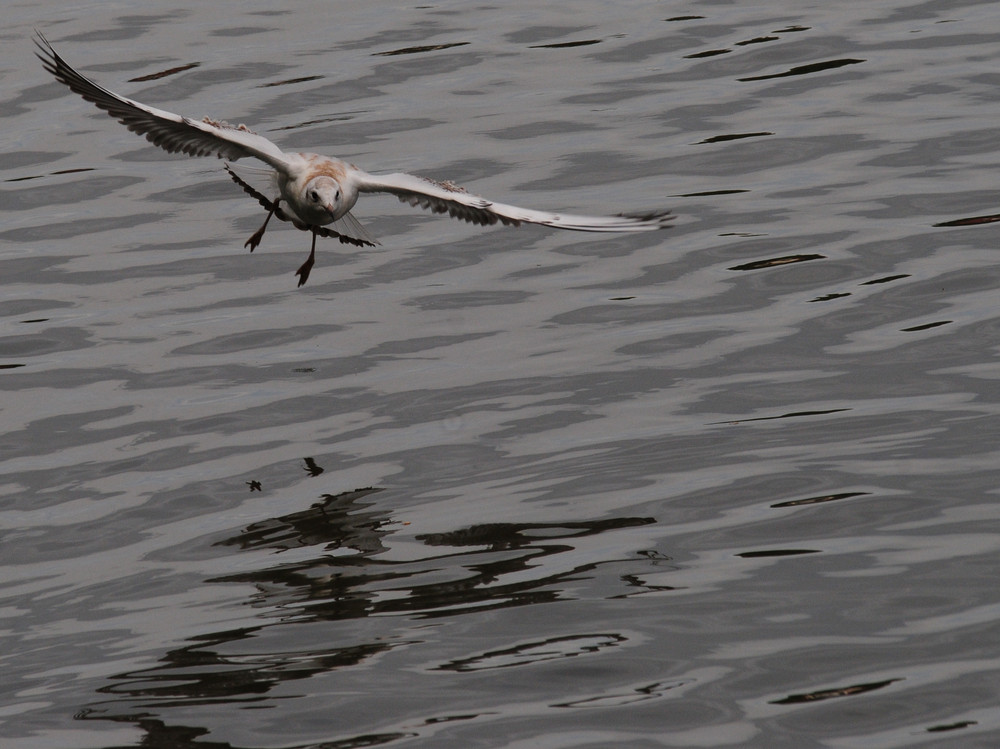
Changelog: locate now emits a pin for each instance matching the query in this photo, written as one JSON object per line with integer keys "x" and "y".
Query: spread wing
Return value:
{"x": 446, "y": 197}
{"x": 347, "y": 228}
{"x": 167, "y": 130}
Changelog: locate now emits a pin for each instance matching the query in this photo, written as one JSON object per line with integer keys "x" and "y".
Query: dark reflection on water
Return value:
{"x": 730, "y": 485}
{"x": 343, "y": 579}
{"x": 337, "y": 521}
{"x": 827, "y": 694}
{"x": 973, "y": 221}
{"x": 536, "y": 652}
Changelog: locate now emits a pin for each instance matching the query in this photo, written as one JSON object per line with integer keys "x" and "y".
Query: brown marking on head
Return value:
{"x": 328, "y": 170}
{"x": 321, "y": 166}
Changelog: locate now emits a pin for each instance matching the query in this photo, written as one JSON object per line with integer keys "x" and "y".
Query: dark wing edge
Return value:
{"x": 478, "y": 214}
{"x": 169, "y": 131}
{"x": 446, "y": 197}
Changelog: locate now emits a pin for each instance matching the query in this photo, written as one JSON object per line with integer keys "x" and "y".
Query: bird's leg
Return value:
{"x": 303, "y": 271}
{"x": 259, "y": 234}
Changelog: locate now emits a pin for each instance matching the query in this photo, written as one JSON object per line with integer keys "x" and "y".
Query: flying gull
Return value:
{"x": 316, "y": 193}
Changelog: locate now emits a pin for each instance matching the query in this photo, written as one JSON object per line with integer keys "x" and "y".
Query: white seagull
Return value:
{"x": 319, "y": 191}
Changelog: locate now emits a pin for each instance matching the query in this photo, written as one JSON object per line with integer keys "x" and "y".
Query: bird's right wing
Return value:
{"x": 167, "y": 130}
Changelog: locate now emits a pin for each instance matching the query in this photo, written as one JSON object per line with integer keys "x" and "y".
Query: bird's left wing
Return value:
{"x": 446, "y": 197}
{"x": 169, "y": 131}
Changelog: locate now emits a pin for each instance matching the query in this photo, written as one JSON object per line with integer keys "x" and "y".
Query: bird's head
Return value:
{"x": 324, "y": 194}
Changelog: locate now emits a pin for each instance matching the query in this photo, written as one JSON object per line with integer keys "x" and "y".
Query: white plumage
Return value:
{"x": 317, "y": 191}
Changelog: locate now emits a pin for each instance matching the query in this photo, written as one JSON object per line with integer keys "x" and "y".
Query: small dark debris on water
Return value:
{"x": 311, "y": 468}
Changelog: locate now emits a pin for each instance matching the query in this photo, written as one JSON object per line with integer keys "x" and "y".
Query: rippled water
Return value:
{"x": 733, "y": 484}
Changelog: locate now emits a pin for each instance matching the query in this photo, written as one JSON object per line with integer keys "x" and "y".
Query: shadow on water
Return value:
{"x": 342, "y": 578}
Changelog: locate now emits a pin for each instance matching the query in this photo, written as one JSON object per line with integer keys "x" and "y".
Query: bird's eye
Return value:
{"x": 314, "y": 196}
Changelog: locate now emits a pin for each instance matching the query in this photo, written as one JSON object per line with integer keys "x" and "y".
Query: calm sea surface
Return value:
{"x": 734, "y": 484}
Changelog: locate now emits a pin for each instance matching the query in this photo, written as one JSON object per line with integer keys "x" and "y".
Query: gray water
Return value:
{"x": 730, "y": 484}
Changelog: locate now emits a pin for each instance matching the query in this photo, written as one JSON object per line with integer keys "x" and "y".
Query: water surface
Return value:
{"x": 731, "y": 484}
